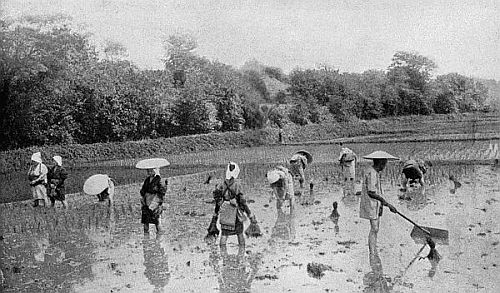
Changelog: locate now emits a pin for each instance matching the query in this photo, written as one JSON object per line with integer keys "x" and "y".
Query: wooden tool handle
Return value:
{"x": 415, "y": 224}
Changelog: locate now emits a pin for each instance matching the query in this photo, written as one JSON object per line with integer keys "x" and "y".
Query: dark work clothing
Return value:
{"x": 55, "y": 178}
{"x": 152, "y": 190}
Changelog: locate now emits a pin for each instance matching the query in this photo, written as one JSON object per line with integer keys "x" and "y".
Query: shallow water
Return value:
{"x": 92, "y": 249}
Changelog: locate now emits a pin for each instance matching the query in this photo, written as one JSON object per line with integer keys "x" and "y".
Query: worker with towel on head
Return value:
{"x": 347, "y": 160}
{"x": 281, "y": 182}
{"x": 56, "y": 177}
{"x": 231, "y": 206}
{"x": 298, "y": 164}
{"x": 371, "y": 201}
{"x": 102, "y": 186}
{"x": 37, "y": 175}
{"x": 152, "y": 193}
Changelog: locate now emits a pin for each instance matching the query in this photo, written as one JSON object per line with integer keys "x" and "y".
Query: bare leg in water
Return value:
{"x": 372, "y": 236}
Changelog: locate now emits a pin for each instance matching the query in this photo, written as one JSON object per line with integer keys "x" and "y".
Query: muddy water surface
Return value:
{"x": 92, "y": 249}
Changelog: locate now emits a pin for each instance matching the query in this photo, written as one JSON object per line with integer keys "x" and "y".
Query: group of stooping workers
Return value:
{"x": 231, "y": 208}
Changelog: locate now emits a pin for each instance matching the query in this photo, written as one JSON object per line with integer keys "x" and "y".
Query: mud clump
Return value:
{"x": 317, "y": 270}
{"x": 266, "y": 276}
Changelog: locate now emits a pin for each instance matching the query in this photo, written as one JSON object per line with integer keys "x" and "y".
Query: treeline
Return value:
{"x": 58, "y": 88}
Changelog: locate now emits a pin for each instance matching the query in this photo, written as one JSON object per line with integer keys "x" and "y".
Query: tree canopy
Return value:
{"x": 57, "y": 88}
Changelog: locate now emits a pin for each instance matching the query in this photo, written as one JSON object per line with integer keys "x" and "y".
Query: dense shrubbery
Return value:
{"x": 56, "y": 88}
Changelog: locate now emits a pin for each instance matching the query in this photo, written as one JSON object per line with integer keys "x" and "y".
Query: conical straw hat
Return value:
{"x": 380, "y": 155}
{"x": 95, "y": 184}
{"x": 152, "y": 163}
{"x": 306, "y": 154}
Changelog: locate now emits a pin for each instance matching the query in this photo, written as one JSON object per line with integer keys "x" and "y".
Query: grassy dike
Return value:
{"x": 90, "y": 154}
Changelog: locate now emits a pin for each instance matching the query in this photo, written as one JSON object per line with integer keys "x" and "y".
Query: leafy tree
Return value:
{"x": 193, "y": 113}
{"x": 252, "y": 115}
{"x": 229, "y": 111}
{"x": 410, "y": 73}
{"x": 462, "y": 93}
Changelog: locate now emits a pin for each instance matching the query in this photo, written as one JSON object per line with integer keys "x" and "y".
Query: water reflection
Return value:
{"x": 351, "y": 200}
{"x": 416, "y": 198}
{"x": 155, "y": 262}
{"x": 237, "y": 271}
{"x": 375, "y": 281}
{"x": 42, "y": 261}
{"x": 284, "y": 228}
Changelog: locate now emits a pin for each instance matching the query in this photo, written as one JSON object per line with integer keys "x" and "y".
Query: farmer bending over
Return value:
{"x": 281, "y": 181}
{"x": 298, "y": 164}
{"x": 413, "y": 170}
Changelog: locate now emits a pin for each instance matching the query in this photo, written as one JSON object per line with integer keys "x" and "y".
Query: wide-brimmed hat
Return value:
{"x": 306, "y": 154}
{"x": 380, "y": 155}
{"x": 232, "y": 173}
{"x": 274, "y": 175}
{"x": 58, "y": 160}
{"x": 95, "y": 184}
{"x": 152, "y": 163}
{"x": 37, "y": 157}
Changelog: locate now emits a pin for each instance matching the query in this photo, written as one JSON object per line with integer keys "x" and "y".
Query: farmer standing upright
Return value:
{"x": 230, "y": 206}
{"x": 347, "y": 160}
{"x": 152, "y": 193}
{"x": 371, "y": 197}
{"x": 56, "y": 177}
{"x": 37, "y": 175}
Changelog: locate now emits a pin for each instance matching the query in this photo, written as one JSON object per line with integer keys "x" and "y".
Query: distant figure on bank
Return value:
{"x": 280, "y": 136}
{"x": 347, "y": 160}
{"x": 231, "y": 205}
{"x": 298, "y": 164}
{"x": 152, "y": 193}
{"x": 37, "y": 175}
{"x": 413, "y": 170}
{"x": 56, "y": 177}
{"x": 281, "y": 182}
{"x": 102, "y": 186}
{"x": 371, "y": 201}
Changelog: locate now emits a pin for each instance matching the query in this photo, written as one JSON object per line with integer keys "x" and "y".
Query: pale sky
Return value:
{"x": 352, "y": 35}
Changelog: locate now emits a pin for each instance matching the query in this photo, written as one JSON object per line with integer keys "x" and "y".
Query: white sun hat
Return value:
{"x": 380, "y": 155}
{"x": 95, "y": 184}
{"x": 37, "y": 157}
{"x": 153, "y": 163}
{"x": 274, "y": 175}
{"x": 234, "y": 173}
{"x": 58, "y": 160}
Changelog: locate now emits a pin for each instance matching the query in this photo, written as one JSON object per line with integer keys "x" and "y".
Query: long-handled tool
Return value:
{"x": 421, "y": 234}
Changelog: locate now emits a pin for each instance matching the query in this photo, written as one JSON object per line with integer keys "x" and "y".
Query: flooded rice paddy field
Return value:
{"x": 90, "y": 248}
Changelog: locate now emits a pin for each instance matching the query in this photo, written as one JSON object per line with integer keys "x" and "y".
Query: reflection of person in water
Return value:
{"x": 375, "y": 280}
{"x": 236, "y": 272}
{"x": 284, "y": 228}
{"x": 155, "y": 262}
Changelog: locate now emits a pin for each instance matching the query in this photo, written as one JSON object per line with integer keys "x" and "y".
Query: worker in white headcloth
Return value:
{"x": 37, "y": 175}
{"x": 231, "y": 206}
{"x": 281, "y": 182}
{"x": 347, "y": 161}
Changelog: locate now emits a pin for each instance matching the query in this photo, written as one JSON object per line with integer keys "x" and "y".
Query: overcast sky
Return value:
{"x": 351, "y": 35}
